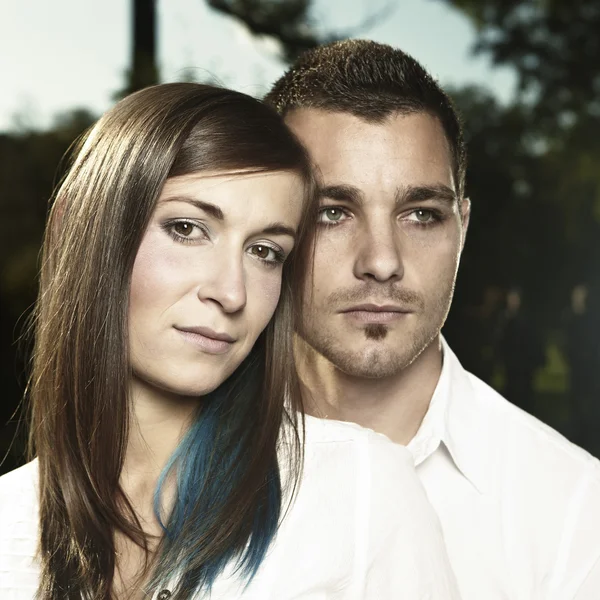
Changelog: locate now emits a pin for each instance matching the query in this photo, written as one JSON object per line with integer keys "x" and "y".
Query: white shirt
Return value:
{"x": 518, "y": 503}
{"x": 360, "y": 528}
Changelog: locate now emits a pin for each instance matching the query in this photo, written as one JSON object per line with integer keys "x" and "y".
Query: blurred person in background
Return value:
{"x": 168, "y": 465}
{"x": 475, "y": 331}
{"x": 582, "y": 349}
{"x": 521, "y": 351}
{"x": 519, "y": 504}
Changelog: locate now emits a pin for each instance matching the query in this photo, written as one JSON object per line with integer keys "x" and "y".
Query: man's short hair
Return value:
{"x": 371, "y": 81}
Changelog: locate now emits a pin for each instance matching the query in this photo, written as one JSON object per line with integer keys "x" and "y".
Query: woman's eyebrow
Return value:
{"x": 280, "y": 229}
{"x": 207, "y": 207}
{"x": 276, "y": 228}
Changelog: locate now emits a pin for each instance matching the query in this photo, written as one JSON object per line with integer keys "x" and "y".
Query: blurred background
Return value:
{"x": 524, "y": 74}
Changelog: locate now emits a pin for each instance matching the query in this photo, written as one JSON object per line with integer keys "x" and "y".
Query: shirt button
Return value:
{"x": 164, "y": 595}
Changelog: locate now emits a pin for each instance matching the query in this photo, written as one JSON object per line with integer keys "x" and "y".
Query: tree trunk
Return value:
{"x": 144, "y": 68}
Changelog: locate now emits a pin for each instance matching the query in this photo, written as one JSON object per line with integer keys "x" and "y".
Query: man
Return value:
{"x": 519, "y": 505}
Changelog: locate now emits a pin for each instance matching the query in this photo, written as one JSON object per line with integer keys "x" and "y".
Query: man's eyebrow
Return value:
{"x": 422, "y": 193}
{"x": 407, "y": 194}
{"x": 342, "y": 193}
{"x": 207, "y": 207}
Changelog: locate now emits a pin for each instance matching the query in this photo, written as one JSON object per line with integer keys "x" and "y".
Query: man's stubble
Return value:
{"x": 384, "y": 356}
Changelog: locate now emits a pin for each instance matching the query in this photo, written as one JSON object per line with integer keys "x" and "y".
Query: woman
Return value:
{"x": 162, "y": 356}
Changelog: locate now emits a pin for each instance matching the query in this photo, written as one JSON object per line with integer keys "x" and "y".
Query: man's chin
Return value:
{"x": 375, "y": 353}
{"x": 371, "y": 359}
{"x": 371, "y": 368}
{"x": 376, "y": 331}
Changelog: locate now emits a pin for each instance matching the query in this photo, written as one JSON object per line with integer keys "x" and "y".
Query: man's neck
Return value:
{"x": 394, "y": 406}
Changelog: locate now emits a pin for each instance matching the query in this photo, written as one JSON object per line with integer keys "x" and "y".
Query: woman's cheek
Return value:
{"x": 157, "y": 268}
{"x": 269, "y": 290}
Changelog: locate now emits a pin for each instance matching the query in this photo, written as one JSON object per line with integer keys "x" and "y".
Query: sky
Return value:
{"x": 57, "y": 55}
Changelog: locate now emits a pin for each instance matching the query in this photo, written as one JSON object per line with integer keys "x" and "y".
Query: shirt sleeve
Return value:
{"x": 577, "y": 572}
{"x": 407, "y": 557}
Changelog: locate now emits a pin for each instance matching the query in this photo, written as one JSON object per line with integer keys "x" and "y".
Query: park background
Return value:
{"x": 525, "y": 76}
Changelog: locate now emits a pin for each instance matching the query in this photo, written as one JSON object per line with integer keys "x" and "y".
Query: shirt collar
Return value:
{"x": 455, "y": 419}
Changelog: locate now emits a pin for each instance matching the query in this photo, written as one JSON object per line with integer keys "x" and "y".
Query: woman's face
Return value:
{"x": 207, "y": 276}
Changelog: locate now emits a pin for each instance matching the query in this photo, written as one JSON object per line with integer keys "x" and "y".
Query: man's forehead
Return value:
{"x": 308, "y": 115}
{"x": 400, "y": 147}
{"x": 318, "y": 127}
{"x": 319, "y": 119}
{"x": 314, "y": 124}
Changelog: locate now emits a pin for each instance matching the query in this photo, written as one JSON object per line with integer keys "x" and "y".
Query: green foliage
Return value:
{"x": 285, "y": 20}
{"x": 290, "y": 22}
{"x": 533, "y": 174}
{"x": 28, "y": 172}
{"x": 554, "y": 46}
{"x": 534, "y": 204}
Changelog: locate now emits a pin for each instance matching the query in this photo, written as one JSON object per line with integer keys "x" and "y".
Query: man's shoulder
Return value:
{"x": 535, "y": 449}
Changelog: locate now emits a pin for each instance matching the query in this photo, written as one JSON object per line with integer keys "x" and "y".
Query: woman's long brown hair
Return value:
{"x": 81, "y": 371}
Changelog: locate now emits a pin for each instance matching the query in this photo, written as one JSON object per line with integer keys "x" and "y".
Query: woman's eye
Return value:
{"x": 261, "y": 251}
{"x": 184, "y": 229}
{"x": 267, "y": 253}
{"x": 331, "y": 214}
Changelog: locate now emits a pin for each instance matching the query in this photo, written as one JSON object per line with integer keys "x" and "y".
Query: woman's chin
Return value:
{"x": 181, "y": 386}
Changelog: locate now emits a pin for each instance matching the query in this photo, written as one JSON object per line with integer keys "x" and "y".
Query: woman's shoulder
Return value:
{"x": 22, "y": 479}
{"x": 361, "y": 495}
{"x": 19, "y": 527}
{"x": 357, "y": 456}
{"x": 376, "y": 446}
{"x": 383, "y": 468}
{"x": 18, "y": 494}
{"x": 323, "y": 430}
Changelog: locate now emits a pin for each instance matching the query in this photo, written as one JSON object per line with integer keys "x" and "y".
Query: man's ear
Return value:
{"x": 465, "y": 215}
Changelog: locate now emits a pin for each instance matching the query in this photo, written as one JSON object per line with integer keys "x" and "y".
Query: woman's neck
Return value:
{"x": 159, "y": 421}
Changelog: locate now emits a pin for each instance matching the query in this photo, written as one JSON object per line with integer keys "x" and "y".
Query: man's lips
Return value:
{"x": 375, "y": 313}
{"x": 376, "y": 308}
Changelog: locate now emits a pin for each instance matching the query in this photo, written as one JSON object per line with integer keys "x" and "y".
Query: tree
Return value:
{"x": 534, "y": 222}
{"x": 554, "y": 46}
{"x": 28, "y": 172}
{"x": 287, "y": 21}
{"x": 144, "y": 63}
{"x": 290, "y": 22}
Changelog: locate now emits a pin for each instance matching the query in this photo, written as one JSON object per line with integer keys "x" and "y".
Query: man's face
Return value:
{"x": 391, "y": 231}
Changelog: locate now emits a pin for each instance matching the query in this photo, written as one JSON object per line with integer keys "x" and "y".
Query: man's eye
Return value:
{"x": 423, "y": 215}
{"x": 331, "y": 214}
